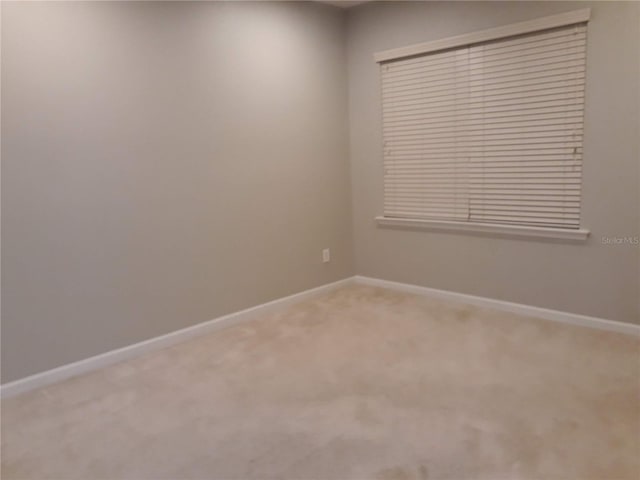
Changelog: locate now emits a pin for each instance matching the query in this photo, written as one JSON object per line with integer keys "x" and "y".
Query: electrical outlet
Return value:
{"x": 326, "y": 255}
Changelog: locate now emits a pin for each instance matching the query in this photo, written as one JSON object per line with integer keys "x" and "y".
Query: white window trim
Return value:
{"x": 544, "y": 23}
{"x": 526, "y": 231}
{"x": 562, "y": 19}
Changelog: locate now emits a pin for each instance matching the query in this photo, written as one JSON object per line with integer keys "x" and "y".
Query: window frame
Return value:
{"x": 531, "y": 26}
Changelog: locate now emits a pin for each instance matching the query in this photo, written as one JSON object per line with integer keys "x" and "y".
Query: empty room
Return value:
{"x": 320, "y": 240}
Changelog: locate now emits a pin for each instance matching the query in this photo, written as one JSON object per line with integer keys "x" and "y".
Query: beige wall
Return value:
{"x": 165, "y": 164}
{"x": 592, "y": 278}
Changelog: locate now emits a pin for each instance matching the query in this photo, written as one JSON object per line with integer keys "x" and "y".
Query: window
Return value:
{"x": 486, "y": 129}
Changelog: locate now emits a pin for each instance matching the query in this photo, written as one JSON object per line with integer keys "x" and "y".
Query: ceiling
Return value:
{"x": 343, "y": 3}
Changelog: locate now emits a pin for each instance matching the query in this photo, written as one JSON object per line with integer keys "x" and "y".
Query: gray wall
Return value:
{"x": 165, "y": 164}
{"x": 591, "y": 278}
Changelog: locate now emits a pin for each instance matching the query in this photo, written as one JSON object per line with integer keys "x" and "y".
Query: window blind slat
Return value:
{"x": 508, "y": 164}
{"x": 549, "y": 65}
{"x": 411, "y": 79}
{"x": 531, "y": 211}
{"x": 540, "y": 82}
{"x": 480, "y": 111}
{"x": 537, "y": 207}
{"x": 471, "y": 144}
{"x": 539, "y": 173}
{"x": 573, "y": 116}
{"x": 540, "y": 221}
{"x": 410, "y": 83}
{"x": 475, "y": 119}
{"x": 513, "y": 167}
{"x": 540, "y": 45}
{"x": 516, "y": 59}
{"x": 474, "y": 98}
{"x": 550, "y": 128}
{"x": 550, "y": 124}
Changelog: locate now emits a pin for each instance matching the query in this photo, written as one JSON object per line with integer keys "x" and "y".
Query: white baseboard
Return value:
{"x": 125, "y": 353}
{"x": 543, "y": 313}
{"x": 131, "y": 351}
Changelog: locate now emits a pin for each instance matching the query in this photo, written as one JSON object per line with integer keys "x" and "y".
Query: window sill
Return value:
{"x": 579, "y": 235}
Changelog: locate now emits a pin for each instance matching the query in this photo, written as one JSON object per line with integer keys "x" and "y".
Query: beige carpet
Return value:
{"x": 362, "y": 383}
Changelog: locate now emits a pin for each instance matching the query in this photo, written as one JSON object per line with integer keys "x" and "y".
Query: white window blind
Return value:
{"x": 489, "y": 132}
